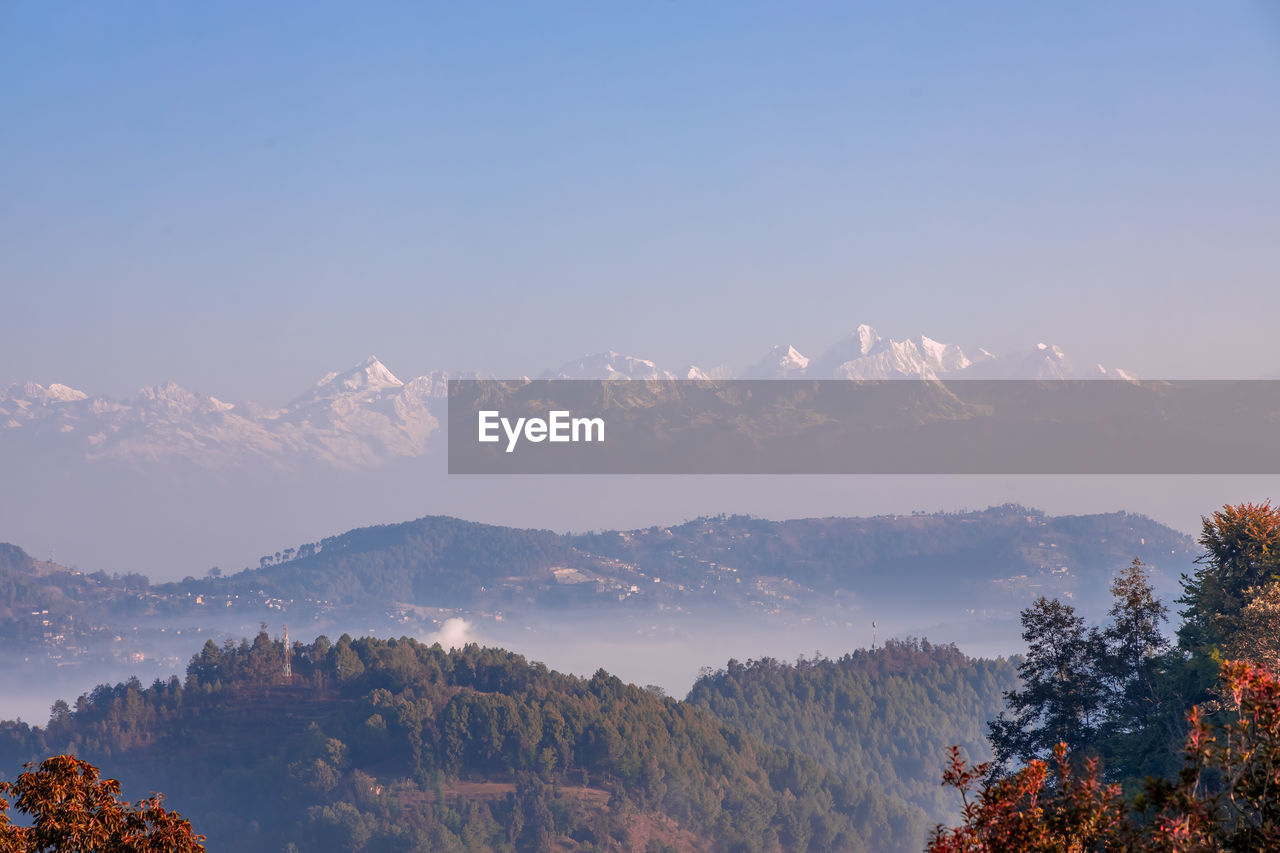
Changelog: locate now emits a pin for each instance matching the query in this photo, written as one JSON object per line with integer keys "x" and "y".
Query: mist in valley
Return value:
{"x": 642, "y": 648}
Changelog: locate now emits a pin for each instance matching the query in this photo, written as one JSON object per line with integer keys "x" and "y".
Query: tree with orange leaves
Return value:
{"x": 1242, "y": 551}
{"x": 73, "y": 811}
{"x": 1226, "y": 798}
{"x": 1030, "y": 812}
{"x": 1258, "y": 634}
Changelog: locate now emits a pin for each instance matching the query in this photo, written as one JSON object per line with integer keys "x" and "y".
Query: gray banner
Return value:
{"x": 863, "y": 427}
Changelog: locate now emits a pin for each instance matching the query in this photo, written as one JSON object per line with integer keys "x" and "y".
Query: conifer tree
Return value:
{"x": 1142, "y": 726}
{"x": 1062, "y": 698}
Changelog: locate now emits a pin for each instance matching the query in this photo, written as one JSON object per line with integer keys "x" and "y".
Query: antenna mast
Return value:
{"x": 873, "y": 634}
{"x": 288, "y": 656}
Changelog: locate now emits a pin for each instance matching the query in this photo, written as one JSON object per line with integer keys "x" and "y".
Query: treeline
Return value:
{"x": 886, "y": 716}
{"x": 394, "y": 745}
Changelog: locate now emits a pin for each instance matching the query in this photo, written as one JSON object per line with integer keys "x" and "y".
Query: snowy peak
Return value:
{"x": 790, "y": 358}
{"x": 946, "y": 358}
{"x": 431, "y": 385}
{"x": 850, "y": 348}
{"x": 366, "y": 380}
{"x": 889, "y": 359}
{"x": 371, "y": 375}
{"x": 867, "y": 338}
{"x": 23, "y": 402}
{"x": 434, "y": 385}
{"x": 34, "y": 392}
{"x": 865, "y": 354}
{"x": 609, "y": 365}
{"x": 693, "y": 372}
{"x": 363, "y": 416}
{"x": 173, "y": 401}
{"x": 782, "y": 362}
{"x": 1097, "y": 371}
{"x": 1043, "y": 361}
{"x": 717, "y": 373}
{"x": 57, "y": 393}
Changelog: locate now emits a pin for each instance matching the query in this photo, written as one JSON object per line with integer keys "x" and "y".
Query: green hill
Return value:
{"x": 396, "y": 746}
{"x": 885, "y": 716}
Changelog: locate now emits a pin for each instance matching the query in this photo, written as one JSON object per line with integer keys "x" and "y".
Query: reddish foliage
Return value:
{"x": 1032, "y": 810}
{"x": 72, "y": 810}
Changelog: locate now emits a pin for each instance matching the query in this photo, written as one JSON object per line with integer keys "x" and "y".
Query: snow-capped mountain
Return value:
{"x": 867, "y": 355}
{"x": 367, "y": 416}
{"x": 612, "y": 365}
{"x": 783, "y": 362}
{"x": 850, "y": 348}
{"x": 361, "y": 417}
{"x": 692, "y": 371}
{"x": 364, "y": 381}
{"x": 22, "y": 402}
{"x": 1042, "y": 361}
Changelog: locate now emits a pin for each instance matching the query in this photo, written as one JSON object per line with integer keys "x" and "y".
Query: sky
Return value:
{"x": 242, "y": 197}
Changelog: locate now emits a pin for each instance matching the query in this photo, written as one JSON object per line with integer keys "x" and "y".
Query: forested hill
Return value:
{"x": 974, "y": 559}
{"x": 396, "y": 746}
{"x": 436, "y": 560}
{"x": 887, "y": 715}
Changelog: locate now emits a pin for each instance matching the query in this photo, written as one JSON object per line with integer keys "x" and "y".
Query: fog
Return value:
{"x": 643, "y": 648}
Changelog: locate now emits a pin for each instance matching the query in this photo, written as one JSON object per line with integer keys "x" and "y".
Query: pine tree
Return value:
{"x": 1062, "y": 699}
{"x": 1143, "y": 723}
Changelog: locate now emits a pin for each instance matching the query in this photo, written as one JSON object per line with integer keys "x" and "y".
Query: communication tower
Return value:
{"x": 288, "y": 656}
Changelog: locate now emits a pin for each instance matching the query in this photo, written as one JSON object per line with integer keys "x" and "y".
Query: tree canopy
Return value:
{"x": 72, "y": 810}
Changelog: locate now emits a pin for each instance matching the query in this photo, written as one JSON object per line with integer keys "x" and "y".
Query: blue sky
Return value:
{"x": 243, "y": 196}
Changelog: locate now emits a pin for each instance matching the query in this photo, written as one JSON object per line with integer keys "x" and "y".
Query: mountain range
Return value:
{"x": 366, "y": 416}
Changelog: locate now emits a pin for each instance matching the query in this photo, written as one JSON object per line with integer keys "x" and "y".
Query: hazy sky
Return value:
{"x": 243, "y": 196}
